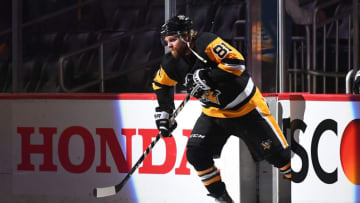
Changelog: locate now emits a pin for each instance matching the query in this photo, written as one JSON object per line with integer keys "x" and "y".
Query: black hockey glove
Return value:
{"x": 356, "y": 84}
{"x": 164, "y": 123}
{"x": 198, "y": 83}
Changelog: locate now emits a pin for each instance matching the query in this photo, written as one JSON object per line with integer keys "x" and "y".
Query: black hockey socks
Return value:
{"x": 286, "y": 171}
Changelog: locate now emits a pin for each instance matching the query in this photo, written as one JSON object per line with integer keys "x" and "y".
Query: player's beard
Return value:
{"x": 179, "y": 51}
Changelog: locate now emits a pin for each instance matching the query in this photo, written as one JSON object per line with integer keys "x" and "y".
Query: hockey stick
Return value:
{"x": 112, "y": 190}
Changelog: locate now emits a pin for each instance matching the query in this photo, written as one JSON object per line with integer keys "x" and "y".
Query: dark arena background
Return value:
{"x": 77, "y": 104}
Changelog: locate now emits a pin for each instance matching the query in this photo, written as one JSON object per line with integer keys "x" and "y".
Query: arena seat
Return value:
{"x": 142, "y": 60}
{"x": 49, "y": 77}
{"x": 155, "y": 16}
{"x": 31, "y": 74}
{"x": 115, "y": 52}
{"x": 225, "y": 16}
{"x": 202, "y": 13}
{"x": 5, "y": 76}
{"x": 126, "y": 19}
{"x": 52, "y": 43}
{"x": 145, "y": 46}
{"x": 76, "y": 41}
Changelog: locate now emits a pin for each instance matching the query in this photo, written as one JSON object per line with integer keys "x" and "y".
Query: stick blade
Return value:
{"x": 104, "y": 191}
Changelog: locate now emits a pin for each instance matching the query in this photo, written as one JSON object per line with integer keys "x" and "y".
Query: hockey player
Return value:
{"x": 214, "y": 72}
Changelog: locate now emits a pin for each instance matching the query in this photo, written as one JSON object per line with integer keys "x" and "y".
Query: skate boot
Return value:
{"x": 224, "y": 198}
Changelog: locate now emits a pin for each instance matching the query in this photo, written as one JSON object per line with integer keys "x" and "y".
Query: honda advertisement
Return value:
{"x": 59, "y": 148}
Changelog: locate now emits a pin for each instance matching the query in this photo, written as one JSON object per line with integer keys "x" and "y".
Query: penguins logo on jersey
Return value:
{"x": 266, "y": 144}
{"x": 210, "y": 96}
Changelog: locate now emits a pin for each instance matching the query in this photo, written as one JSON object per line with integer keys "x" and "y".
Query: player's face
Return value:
{"x": 176, "y": 46}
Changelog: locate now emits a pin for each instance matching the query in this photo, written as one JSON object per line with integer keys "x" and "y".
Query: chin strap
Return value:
{"x": 188, "y": 45}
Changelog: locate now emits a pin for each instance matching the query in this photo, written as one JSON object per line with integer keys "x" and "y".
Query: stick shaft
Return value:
{"x": 137, "y": 164}
{"x": 150, "y": 147}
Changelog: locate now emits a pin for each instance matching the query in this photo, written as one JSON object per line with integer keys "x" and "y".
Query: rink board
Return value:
{"x": 325, "y": 136}
{"x": 58, "y": 147}
{"x": 92, "y": 141}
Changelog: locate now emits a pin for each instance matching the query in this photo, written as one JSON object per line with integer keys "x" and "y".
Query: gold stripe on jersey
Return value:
{"x": 155, "y": 87}
{"x": 264, "y": 112}
{"x": 162, "y": 78}
{"x": 256, "y": 101}
{"x": 218, "y": 49}
{"x": 278, "y": 131}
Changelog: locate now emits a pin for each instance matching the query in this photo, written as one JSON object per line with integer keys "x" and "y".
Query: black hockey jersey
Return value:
{"x": 234, "y": 94}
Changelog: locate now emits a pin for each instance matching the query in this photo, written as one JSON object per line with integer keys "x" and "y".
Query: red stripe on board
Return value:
{"x": 152, "y": 96}
{"x": 318, "y": 97}
{"x": 284, "y": 96}
{"x": 86, "y": 96}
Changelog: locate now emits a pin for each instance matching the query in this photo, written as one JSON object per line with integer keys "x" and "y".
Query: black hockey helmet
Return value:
{"x": 175, "y": 25}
